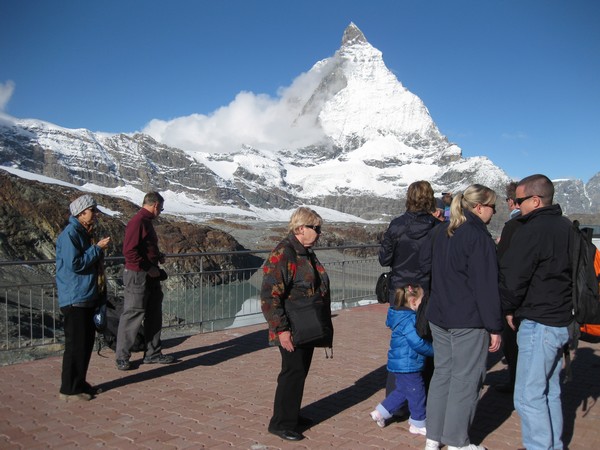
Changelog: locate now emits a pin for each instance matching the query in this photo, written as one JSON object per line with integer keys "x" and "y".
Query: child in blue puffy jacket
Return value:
{"x": 406, "y": 359}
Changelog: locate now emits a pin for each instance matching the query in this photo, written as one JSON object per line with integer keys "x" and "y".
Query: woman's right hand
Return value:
{"x": 285, "y": 339}
{"x": 495, "y": 342}
{"x": 103, "y": 243}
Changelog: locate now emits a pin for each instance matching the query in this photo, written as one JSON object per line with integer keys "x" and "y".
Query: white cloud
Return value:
{"x": 257, "y": 120}
{"x": 6, "y": 92}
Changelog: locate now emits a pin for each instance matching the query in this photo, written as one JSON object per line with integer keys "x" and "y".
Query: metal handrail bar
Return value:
{"x": 120, "y": 259}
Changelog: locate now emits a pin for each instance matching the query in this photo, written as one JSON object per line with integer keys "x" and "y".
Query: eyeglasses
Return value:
{"x": 317, "y": 228}
{"x": 520, "y": 200}
{"x": 491, "y": 206}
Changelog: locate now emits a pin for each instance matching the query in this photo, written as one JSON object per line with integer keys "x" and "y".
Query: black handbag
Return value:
{"x": 310, "y": 321}
{"x": 382, "y": 288}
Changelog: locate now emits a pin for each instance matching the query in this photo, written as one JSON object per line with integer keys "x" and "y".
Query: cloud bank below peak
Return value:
{"x": 255, "y": 120}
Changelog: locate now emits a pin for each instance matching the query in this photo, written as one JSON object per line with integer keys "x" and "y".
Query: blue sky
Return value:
{"x": 517, "y": 81}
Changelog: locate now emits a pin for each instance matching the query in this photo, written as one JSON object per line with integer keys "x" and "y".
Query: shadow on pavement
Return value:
{"x": 206, "y": 356}
{"x": 335, "y": 403}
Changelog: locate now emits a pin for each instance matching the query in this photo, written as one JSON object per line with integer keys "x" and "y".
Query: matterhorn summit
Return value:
{"x": 363, "y": 100}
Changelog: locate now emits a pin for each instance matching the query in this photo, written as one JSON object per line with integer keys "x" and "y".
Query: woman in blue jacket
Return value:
{"x": 464, "y": 313}
{"x": 78, "y": 265}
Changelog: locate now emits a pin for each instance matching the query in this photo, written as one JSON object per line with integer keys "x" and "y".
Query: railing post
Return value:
{"x": 201, "y": 298}
{"x": 343, "y": 284}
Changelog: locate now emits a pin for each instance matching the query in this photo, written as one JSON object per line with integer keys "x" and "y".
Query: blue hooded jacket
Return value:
{"x": 407, "y": 349}
{"x": 76, "y": 265}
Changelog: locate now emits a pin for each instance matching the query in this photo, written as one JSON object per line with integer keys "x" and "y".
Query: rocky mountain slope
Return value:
{"x": 32, "y": 214}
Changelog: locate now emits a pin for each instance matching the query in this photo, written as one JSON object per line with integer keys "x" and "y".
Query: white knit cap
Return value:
{"x": 82, "y": 203}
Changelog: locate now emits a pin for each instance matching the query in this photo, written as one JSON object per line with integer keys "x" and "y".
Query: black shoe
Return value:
{"x": 505, "y": 388}
{"x": 123, "y": 364}
{"x": 159, "y": 359}
{"x": 288, "y": 435}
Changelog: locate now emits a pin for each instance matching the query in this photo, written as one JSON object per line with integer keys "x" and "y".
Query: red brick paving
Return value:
{"x": 219, "y": 396}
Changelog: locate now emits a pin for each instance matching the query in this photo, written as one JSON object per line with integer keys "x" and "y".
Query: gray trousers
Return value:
{"x": 460, "y": 365}
{"x": 143, "y": 304}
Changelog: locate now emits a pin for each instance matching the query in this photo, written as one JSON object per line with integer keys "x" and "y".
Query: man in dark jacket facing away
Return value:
{"x": 143, "y": 293}
{"x": 535, "y": 287}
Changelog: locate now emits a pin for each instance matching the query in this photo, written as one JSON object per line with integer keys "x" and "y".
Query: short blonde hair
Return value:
{"x": 303, "y": 216}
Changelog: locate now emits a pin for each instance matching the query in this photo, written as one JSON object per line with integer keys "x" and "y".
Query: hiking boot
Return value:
{"x": 123, "y": 364}
{"x": 75, "y": 397}
{"x": 159, "y": 359}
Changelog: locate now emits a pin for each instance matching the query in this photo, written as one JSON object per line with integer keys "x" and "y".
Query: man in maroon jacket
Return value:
{"x": 143, "y": 293}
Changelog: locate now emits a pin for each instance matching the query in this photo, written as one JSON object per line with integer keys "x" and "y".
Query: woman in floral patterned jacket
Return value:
{"x": 296, "y": 302}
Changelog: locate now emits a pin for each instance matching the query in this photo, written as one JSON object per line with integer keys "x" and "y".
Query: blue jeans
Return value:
{"x": 537, "y": 387}
{"x": 410, "y": 389}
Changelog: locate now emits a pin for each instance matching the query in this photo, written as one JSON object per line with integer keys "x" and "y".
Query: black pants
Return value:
{"x": 290, "y": 387}
{"x": 80, "y": 333}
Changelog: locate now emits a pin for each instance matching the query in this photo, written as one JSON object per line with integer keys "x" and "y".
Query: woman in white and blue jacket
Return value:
{"x": 406, "y": 360}
{"x": 78, "y": 265}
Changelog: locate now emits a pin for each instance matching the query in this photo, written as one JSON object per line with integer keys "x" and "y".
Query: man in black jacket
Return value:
{"x": 535, "y": 287}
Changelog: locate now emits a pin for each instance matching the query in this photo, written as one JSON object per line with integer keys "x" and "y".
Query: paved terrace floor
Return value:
{"x": 219, "y": 396}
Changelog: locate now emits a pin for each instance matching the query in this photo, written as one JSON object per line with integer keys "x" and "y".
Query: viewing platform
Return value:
{"x": 219, "y": 395}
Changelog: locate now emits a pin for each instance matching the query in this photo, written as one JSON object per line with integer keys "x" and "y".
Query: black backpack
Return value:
{"x": 108, "y": 336}
{"x": 586, "y": 299}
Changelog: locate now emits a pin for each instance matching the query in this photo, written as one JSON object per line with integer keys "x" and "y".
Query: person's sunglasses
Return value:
{"x": 317, "y": 228}
{"x": 492, "y": 206}
{"x": 520, "y": 200}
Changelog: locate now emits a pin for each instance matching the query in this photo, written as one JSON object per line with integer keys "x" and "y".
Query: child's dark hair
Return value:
{"x": 405, "y": 294}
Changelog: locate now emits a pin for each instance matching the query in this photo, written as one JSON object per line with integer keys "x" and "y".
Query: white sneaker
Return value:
{"x": 430, "y": 444}
{"x": 377, "y": 417}
{"x": 467, "y": 447}
{"x": 417, "y": 430}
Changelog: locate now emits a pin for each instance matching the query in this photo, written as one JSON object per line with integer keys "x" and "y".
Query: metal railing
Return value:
{"x": 196, "y": 301}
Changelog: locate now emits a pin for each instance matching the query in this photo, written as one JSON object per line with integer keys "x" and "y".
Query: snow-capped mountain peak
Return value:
{"x": 359, "y": 98}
